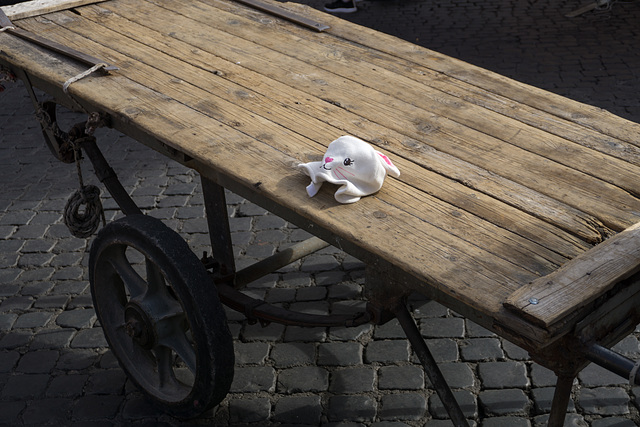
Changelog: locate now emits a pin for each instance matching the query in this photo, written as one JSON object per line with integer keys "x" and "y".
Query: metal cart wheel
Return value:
{"x": 161, "y": 315}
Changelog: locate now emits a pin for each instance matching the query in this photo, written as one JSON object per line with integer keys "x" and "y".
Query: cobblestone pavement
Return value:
{"x": 56, "y": 369}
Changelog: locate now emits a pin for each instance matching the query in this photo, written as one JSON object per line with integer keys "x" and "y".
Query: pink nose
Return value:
{"x": 328, "y": 160}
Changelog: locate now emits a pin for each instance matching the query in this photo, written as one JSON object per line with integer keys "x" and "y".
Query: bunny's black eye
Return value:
{"x": 348, "y": 162}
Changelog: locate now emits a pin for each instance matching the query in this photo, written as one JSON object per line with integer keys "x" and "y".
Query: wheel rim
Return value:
{"x": 161, "y": 315}
{"x": 148, "y": 324}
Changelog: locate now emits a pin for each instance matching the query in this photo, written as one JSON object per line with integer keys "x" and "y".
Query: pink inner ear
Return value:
{"x": 386, "y": 159}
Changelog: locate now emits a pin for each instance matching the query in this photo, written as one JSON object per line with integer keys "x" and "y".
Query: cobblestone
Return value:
{"x": 56, "y": 368}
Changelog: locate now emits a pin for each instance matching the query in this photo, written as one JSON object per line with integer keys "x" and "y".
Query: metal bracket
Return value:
{"x": 597, "y": 4}
{"x": 285, "y": 14}
{"x": 5, "y": 22}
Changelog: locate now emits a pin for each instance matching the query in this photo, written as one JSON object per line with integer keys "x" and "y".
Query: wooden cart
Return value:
{"x": 516, "y": 208}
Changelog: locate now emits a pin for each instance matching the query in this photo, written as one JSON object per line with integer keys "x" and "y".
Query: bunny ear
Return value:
{"x": 388, "y": 165}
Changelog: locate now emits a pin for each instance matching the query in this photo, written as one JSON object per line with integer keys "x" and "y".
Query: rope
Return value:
{"x": 7, "y": 28}
{"x": 65, "y": 86}
{"x": 82, "y": 223}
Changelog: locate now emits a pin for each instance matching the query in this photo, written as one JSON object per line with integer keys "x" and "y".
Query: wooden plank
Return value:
{"x": 447, "y": 190}
{"x": 40, "y": 7}
{"x": 404, "y": 224}
{"x": 310, "y": 124}
{"x": 548, "y": 300}
{"x": 468, "y": 93}
{"x": 427, "y": 253}
{"x": 481, "y": 144}
{"x": 506, "y": 244}
{"x": 585, "y": 115}
{"x": 375, "y": 108}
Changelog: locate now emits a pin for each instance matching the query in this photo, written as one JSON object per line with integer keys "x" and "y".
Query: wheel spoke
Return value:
{"x": 155, "y": 278}
{"x": 166, "y": 375}
{"x": 179, "y": 343}
{"x": 130, "y": 277}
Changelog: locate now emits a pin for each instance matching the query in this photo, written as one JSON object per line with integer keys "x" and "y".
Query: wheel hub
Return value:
{"x": 138, "y": 325}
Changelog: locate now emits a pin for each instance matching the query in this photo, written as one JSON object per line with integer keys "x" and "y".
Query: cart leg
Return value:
{"x": 560, "y": 400}
{"x": 218, "y": 220}
{"x": 430, "y": 366}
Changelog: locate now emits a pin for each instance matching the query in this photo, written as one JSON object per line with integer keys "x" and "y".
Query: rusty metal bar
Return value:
{"x": 108, "y": 177}
{"x": 215, "y": 205}
{"x": 614, "y": 362}
{"x": 256, "y": 309}
{"x": 560, "y": 401}
{"x": 279, "y": 260}
{"x": 51, "y": 45}
{"x": 285, "y": 14}
{"x": 430, "y": 366}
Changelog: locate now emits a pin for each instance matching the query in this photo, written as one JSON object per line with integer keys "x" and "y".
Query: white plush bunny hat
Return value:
{"x": 353, "y": 164}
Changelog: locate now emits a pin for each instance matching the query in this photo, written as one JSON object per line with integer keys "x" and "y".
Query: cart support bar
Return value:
{"x": 430, "y": 366}
{"x": 614, "y": 362}
{"x": 279, "y": 260}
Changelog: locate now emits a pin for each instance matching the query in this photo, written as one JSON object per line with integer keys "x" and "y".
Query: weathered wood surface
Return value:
{"x": 501, "y": 183}
{"x": 547, "y": 301}
{"x": 40, "y": 7}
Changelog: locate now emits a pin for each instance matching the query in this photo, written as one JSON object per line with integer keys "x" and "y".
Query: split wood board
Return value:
{"x": 40, "y": 7}
{"x": 501, "y": 183}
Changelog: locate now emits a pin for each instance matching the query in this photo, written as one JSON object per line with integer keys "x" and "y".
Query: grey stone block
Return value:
{"x": 302, "y": 334}
{"x": 457, "y": 375}
{"x": 504, "y": 402}
{"x": 449, "y": 327}
{"x": 479, "y": 349}
{"x": 79, "y": 318}
{"x": 38, "y": 362}
{"x": 613, "y": 422}
{"x": 251, "y": 353}
{"x": 34, "y": 319}
{"x": 403, "y": 406}
{"x": 89, "y": 338}
{"x": 594, "y": 376}
{"x": 358, "y": 379}
{"x": 254, "y": 379}
{"x": 23, "y": 387}
{"x": 340, "y": 354}
{"x": 506, "y": 422}
{"x": 353, "y": 408}
{"x": 303, "y": 379}
{"x": 465, "y": 398}
{"x": 9, "y": 360}
{"x": 268, "y": 222}
{"x": 298, "y": 410}
{"x": 319, "y": 263}
{"x": 604, "y": 401}
{"x": 256, "y": 332}
{"x": 542, "y": 398}
{"x": 387, "y": 351}
{"x": 51, "y": 411}
{"x": 94, "y": 407}
{"x": 249, "y": 410}
{"x": 285, "y": 355}
{"x": 109, "y": 381}
{"x": 503, "y": 375}
{"x": 56, "y": 338}
{"x": 69, "y": 385}
{"x": 409, "y": 377}
{"x": 390, "y": 330}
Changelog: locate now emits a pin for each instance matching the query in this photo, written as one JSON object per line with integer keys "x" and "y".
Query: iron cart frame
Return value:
{"x": 147, "y": 323}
